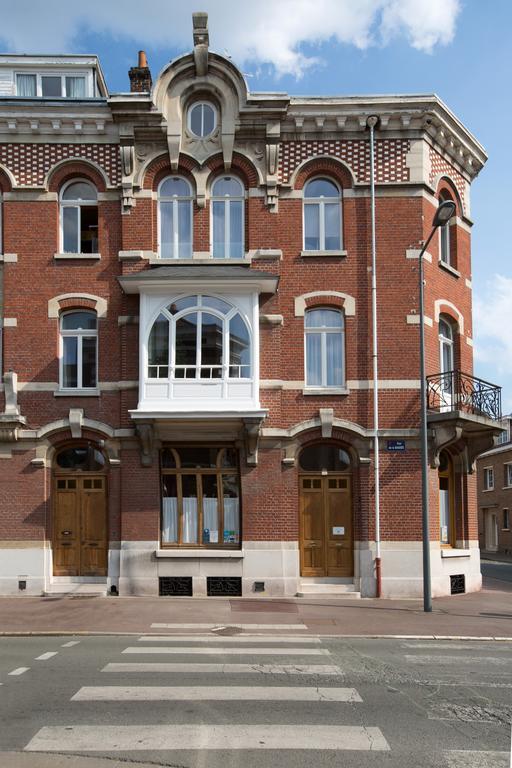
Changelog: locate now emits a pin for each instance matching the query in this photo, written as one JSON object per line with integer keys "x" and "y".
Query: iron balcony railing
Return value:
{"x": 457, "y": 391}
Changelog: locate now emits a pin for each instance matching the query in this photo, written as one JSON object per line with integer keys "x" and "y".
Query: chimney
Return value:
{"x": 140, "y": 76}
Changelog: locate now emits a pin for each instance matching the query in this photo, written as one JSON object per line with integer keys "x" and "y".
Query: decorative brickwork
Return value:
{"x": 31, "y": 163}
{"x": 439, "y": 166}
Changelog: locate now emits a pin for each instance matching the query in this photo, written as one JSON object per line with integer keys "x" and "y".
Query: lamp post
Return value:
{"x": 443, "y": 214}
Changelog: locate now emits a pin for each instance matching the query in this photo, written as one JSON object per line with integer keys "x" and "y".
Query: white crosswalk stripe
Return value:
{"x": 469, "y": 758}
{"x": 229, "y": 640}
{"x": 289, "y": 627}
{"x": 213, "y": 693}
{"x": 450, "y": 660}
{"x": 251, "y": 651}
{"x": 240, "y": 669}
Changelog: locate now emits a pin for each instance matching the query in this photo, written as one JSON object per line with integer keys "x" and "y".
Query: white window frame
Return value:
{"x": 79, "y": 334}
{"x": 202, "y": 103}
{"x": 323, "y": 351}
{"x": 62, "y": 75}
{"x": 506, "y": 519}
{"x": 75, "y": 204}
{"x": 226, "y": 199}
{"x": 444, "y": 244}
{"x": 488, "y": 478}
{"x": 175, "y": 199}
{"x": 508, "y": 474}
{"x": 321, "y": 201}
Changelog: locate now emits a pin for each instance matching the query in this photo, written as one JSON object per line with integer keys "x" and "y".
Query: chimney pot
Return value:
{"x": 143, "y": 62}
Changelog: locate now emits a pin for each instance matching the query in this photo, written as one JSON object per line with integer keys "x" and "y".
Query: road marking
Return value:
{"x": 469, "y": 758}
{"x": 454, "y": 646}
{"x": 70, "y": 644}
{"x": 240, "y": 639}
{"x": 213, "y": 693}
{"x": 19, "y": 670}
{"x": 264, "y": 669}
{"x": 187, "y": 651}
{"x": 475, "y": 660}
{"x": 115, "y": 738}
{"x": 230, "y": 626}
{"x": 46, "y": 656}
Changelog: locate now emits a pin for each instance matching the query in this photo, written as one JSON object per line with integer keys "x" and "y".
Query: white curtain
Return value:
{"x": 75, "y": 87}
{"x": 334, "y": 347}
{"x": 189, "y": 530}
{"x": 313, "y": 359}
{"x": 211, "y": 519}
{"x": 231, "y": 516}
{"x": 170, "y": 520}
{"x": 26, "y": 85}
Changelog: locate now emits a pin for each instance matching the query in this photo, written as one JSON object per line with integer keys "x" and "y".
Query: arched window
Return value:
{"x": 175, "y": 218}
{"x": 324, "y": 344}
{"x": 202, "y": 119}
{"x": 228, "y": 218}
{"x": 444, "y": 237}
{"x": 199, "y": 337}
{"x": 80, "y": 458}
{"x": 79, "y": 217}
{"x": 324, "y": 457}
{"x": 322, "y": 216}
{"x": 79, "y": 350}
{"x": 446, "y": 360}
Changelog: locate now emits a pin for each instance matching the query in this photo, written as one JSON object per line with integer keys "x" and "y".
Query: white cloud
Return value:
{"x": 493, "y": 337}
{"x": 266, "y": 32}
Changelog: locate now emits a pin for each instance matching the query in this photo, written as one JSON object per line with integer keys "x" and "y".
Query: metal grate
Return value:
{"x": 458, "y": 584}
{"x": 224, "y": 586}
{"x": 169, "y": 586}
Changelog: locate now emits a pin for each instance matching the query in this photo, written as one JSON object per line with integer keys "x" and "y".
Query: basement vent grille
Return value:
{"x": 171, "y": 586}
{"x": 458, "y": 584}
{"x": 224, "y": 586}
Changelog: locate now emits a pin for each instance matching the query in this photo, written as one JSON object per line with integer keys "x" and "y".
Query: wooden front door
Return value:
{"x": 326, "y": 537}
{"x": 80, "y": 539}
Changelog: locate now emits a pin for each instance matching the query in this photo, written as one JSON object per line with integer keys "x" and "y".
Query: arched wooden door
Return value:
{"x": 79, "y": 531}
{"x": 326, "y": 519}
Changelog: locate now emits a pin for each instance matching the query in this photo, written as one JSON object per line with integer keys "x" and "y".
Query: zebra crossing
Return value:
{"x": 224, "y": 732}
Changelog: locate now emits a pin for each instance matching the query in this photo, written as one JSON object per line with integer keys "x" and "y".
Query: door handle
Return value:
{"x": 66, "y": 533}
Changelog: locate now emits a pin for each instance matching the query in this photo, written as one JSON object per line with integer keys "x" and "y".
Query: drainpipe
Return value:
{"x": 372, "y": 123}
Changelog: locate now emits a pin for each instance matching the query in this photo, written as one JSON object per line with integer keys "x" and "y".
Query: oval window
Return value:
{"x": 82, "y": 458}
{"x": 324, "y": 457}
{"x": 202, "y": 119}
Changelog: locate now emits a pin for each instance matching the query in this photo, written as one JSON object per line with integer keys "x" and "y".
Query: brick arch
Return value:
{"x": 160, "y": 167}
{"x": 323, "y": 298}
{"x": 240, "y": 166}
{"x": 5, "y": 181}
{"x": 447, "y": 190}
{"x": 66, "y": 301}
{"x": 322, "y": 166}
{"x": 66, "y": 170}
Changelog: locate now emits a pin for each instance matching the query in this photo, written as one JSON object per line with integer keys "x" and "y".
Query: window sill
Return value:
{"x": 76, "y": 393}
{"x": 197, "y": 259}
{"x": 449, "y": 268}
{"x": 77, "y": 256}
{"x": 487, "y": 490}
{"x": 233, "y": 554}
{"x": 325, "y": 391}
{"x": 323, "y": 254}
{"x": 455, "y": 553}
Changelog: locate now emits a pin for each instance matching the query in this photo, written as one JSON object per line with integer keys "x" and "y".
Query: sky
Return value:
{"x": 458, "y": 49}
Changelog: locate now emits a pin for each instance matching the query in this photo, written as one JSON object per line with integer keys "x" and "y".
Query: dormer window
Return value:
{"x": 50, "y": 86}
{"x": 202, "y": 119}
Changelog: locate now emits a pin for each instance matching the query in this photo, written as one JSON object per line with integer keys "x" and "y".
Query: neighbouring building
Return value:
{"x": 495, "y": 495}
{"x": 187, "y": 398}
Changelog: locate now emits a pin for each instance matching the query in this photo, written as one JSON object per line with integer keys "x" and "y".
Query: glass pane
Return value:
{"x": 332, "y": 227}
{"x": 166, "y": 231}
{"x": 324, "y": 318}
{"x": 312, "y": 227}
{"x": 196, "y": 120}
{"x": 211, "y": 344}
{"x": 323, "y": 456}
{"x": 236, "y": 245}
{"x": 78, "y": 321}
{"x": 167, "y": 458}
{"x": 158, "y": 348}
{"x": 198, "y": 457}
{"x": 189, "y": 515}
{"x": 26, "y": 86}
{"x": 239, "y": 349}
{"x": 444, "y": 510}
{"x": 210, "y": 510}
{"x": 446, "y": 357}
{"x": 181, "y": 304}
{"x": 214, "y": 303}
{"x": 186, "y": 339}
{"x": 184, "y": 229}
{"x": 89, "y": 361}
{"x": 51, "y": 86}
{"x": 334, "y": 351}
{"x": 445, "y": 243}
{"x": 69, "y": 362}
{"x": 88, "y": 229}
{"x": 84, "y": 458}
{"x": 80, "y": 190}
{"x": 219, "y": 234}
{"x": 170, "y": 509}
{"x": 227, "y": 185}
{"x": 445, "y": 329}
{"x": 229, "y": 457}
{"x": 175, "y": 186}
{"x": 313, "y": 360}
{"x": 230, "y": 490}
{"x": 75, "y": 87}
{"x": 208, "y": 119}
{"x": 321, "y": 188}
{"x": 71, "y": 242}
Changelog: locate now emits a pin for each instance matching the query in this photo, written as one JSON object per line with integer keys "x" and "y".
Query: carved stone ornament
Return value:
{"x": 252, "y": 436}
{"x": 11, "y": 419}
{"x": 145, "y": 434}
{"x": 200, "y": 148}
{"x": 273, "y": 133}
{"x": 201, "y": 42}
{"x": 444, "y": 436}
{"x": 126, "y": 152}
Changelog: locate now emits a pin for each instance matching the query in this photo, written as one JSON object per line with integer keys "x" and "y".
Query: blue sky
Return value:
{"x": 459, "y": 49}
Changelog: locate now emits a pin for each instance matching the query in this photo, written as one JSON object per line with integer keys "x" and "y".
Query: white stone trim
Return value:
{"x": 469, "y": 284}
{"x": 415, "y": 320}
{"x": 10, "y": 322}
{"x": 349, "y": 307}
{"x": 414, "y": 253}
{"x": 174, "y": 552}
{"x": 9, "y": 258}
{"x": 469, "y": 341}
{"x": 438, "y": 303}
{"x": 448, "y": 268}
{"x": 77, "y": 256}
{"x": 54, "y": 308}
{"x": 360, "y": 384}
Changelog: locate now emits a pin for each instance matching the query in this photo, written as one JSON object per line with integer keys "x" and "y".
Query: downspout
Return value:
{"x": 372, "y": 123}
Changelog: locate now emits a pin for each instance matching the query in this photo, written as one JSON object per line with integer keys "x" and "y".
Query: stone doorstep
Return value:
{"x": 80, "y": 590}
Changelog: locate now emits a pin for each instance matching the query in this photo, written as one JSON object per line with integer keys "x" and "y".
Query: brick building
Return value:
{"x": 495, "y": 495}
{"x": 187, "y": 400}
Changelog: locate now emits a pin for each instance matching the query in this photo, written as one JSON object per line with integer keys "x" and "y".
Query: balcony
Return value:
{"x": 457, "y": 391}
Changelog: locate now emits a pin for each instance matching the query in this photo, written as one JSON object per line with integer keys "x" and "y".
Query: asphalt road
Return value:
{"x": 296, "y": 701}
{"x": 492, "y": 569}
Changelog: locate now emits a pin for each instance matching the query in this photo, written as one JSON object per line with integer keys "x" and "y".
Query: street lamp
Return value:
{"x": 443, "y": 214}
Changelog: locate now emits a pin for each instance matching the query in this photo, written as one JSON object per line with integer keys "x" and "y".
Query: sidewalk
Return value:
{"x": 483, "y": 614}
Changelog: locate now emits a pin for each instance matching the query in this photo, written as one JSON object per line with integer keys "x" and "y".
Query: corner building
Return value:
{"x": 187, "y": 399}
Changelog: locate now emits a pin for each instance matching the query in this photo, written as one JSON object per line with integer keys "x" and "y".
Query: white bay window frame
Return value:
{"x": 86, "y": 76}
